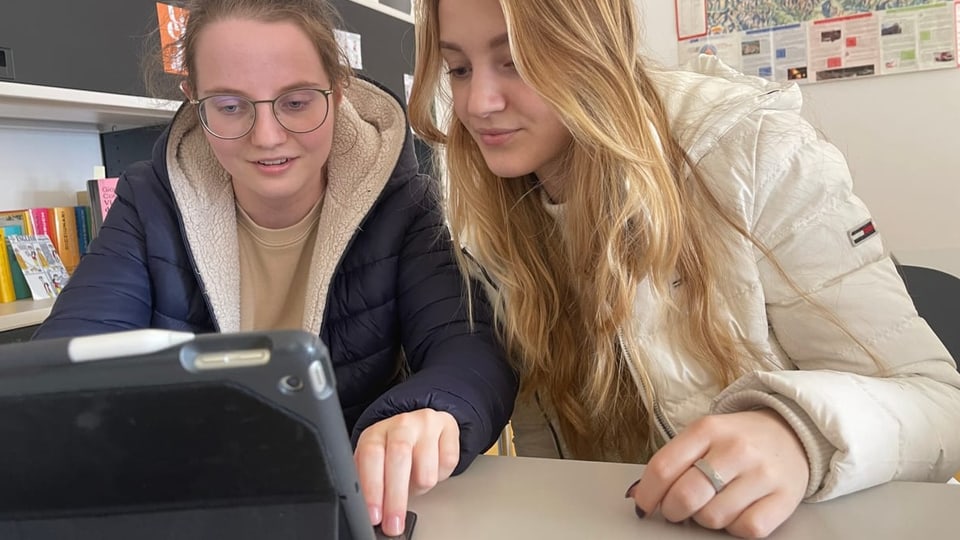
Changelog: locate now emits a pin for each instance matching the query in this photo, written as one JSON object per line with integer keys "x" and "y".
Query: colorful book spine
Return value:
{"x": 7, "y": 293}
{"x": 16, "y": 217}
{"x": 66, "y": 236}
{"x": 102, "y": 192}
{"x": 20, "y": 287}
{"x": 41, "y": 224}
{"x": 82, "y": 214}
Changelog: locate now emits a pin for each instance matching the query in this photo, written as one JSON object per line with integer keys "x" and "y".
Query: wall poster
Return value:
{"x": 816, "y": 40}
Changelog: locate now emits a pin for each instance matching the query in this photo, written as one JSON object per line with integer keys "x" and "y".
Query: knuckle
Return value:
{"x": 709, "y": 424}
{"x": 407, "y": 420}
{"x": 671, "y": 513}
{"x": 712, "y": 518}
{"x": 656, "y": 468}
{"x": 367, "y": 449}
{"x": 425, "y": 480}
{"x": 399, "y": 445}
{"x": 449, "y": 460}
{"x": 752, "y": 528}
{"x": 685, "y": 497}
{"x": 740, "y": 446}
{"x": 766, "y": 472}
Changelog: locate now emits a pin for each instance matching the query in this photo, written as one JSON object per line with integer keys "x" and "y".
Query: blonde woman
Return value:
{"x": 679, "y": 268}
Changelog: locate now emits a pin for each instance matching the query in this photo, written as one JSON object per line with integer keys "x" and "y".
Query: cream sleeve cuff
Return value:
{"x": 819, "y": 450}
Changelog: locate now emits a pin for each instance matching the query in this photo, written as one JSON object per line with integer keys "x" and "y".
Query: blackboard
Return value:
{"x": 97, "y": 45}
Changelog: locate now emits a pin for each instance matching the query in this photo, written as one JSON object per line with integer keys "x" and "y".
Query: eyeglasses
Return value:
{"x": 232, "y": 117}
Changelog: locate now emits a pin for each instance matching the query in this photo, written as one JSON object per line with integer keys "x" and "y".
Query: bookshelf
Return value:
{"x": 23, "y": 313}
{"x": 51, "y": 116}
{"x": 42, "y": 105}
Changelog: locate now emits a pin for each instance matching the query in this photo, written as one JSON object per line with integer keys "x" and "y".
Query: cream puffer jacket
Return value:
{"x": 793, "y": 192}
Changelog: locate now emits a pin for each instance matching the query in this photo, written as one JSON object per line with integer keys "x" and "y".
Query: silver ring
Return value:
{"x": 712, "y": 475}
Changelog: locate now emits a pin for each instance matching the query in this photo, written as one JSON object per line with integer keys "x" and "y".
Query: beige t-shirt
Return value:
{"x": 274, "y": 268}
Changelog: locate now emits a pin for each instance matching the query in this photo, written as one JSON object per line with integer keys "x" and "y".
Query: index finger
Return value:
{"x": 398, "y": 464}
{"x": 369, "y": 459}
{"x": 667, "y": 466}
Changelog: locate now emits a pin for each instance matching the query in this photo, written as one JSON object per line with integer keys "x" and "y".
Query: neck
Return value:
{"x": 551, "y": 182}
{"x": 284, "y": 212}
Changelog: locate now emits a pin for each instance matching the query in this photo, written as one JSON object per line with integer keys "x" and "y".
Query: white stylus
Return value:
{"x": 117, "y": 344}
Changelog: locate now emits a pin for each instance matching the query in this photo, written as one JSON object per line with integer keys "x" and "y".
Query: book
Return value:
{"x": 42, "y": 268}
{"x": 64, "y": 225}
{"x": 20, "y": 288}
{"x": 41, "y": 223}
{"x": 102, "y": 192}
{"x": 20, "y": 218}
{"x": 83, "y": 228}
{"x": 7, "y": 293}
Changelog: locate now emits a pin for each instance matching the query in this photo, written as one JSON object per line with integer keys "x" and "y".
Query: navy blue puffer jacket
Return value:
{"x": 387, "y": 297}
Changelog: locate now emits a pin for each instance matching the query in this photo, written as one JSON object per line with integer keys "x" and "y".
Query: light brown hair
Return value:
{"x": 317, "y": 18}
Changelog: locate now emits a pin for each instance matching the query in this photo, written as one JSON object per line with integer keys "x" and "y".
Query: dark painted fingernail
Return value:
{"x": 640, "y": 513}
{"x": 630, "y": 489}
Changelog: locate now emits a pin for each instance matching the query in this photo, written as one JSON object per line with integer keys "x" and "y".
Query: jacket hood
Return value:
{"x": 368, "y": 139}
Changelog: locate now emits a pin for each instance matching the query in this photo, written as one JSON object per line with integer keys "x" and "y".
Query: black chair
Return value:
{"x": 936, "y": 295}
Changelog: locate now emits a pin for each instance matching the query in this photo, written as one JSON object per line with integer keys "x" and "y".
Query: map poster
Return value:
{"x": 725, "y": 16}
{"x": 825, "y": 40}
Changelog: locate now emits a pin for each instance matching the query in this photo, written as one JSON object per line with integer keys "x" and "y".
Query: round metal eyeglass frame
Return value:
{"x": 198, "y": 103}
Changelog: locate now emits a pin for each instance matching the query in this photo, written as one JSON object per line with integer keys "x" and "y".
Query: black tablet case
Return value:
{"x": 142, "y": 448}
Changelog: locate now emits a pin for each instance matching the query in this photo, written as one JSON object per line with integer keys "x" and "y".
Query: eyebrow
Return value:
{"x": 498, "y": 41}
{"x": 234, "y": 92}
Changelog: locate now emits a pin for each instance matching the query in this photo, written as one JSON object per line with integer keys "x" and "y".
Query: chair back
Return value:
{"x": 936, "y": 295}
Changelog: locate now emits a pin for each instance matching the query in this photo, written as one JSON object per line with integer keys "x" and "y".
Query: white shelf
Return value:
{"x": 65, "y": 110}
{"x": 23, "y": 313}
{"x": 37, "y": 104}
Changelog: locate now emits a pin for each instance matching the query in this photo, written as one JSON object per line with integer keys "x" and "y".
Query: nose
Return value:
{"x": 487, "y": 94}
{"x": 267, "y": 131}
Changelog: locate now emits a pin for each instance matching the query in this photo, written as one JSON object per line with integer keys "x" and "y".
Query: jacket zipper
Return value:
{"x": 666, "y": 428}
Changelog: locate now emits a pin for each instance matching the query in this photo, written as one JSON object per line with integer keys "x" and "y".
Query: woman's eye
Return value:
{"x": 228, "y": 105}
{"x": 458, "y": 72}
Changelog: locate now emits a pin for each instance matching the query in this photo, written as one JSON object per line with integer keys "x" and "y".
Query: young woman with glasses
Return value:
{"x": 680, "y": 268}
{"x": 285, "y": 194}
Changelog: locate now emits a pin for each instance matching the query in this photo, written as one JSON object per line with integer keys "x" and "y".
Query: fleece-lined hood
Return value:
{"x": 368, "y": 138}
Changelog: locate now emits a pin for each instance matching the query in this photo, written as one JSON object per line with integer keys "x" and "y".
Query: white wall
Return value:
{"x": 45, "y": 165}
{"x": 900, "y": 136}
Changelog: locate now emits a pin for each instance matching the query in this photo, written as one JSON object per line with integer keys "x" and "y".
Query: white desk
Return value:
{"x": 506, "y": 498}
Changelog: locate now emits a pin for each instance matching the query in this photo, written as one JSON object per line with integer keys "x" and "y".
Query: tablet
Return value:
{"x": 161, "y": 434}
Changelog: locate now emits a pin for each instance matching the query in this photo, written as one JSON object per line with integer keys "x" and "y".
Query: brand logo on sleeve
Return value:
{"x": 860, "y": 234}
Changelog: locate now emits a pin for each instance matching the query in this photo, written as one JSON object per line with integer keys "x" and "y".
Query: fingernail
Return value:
{"x": 393, "y": 527}
{"x": 630, "y": 489}
{"x": 374, "y": 514}
{"x": 640, "y": 513}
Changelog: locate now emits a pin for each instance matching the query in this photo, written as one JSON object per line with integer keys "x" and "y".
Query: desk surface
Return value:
{"x": 506, "y": 498}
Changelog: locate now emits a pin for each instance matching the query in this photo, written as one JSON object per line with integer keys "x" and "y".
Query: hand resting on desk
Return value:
{"x": 762, "y": 467}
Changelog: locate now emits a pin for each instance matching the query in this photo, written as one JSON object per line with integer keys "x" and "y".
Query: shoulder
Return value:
{"x": 145, "y": 185}
{"x": 410, "y": 194}
{"x": 706, "y": 101}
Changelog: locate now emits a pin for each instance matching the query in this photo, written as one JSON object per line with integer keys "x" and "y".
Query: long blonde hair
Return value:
{"x": 565, "y": 293}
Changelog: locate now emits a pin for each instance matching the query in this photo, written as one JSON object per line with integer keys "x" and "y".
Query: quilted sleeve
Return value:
{"x": 890, "y": 412}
